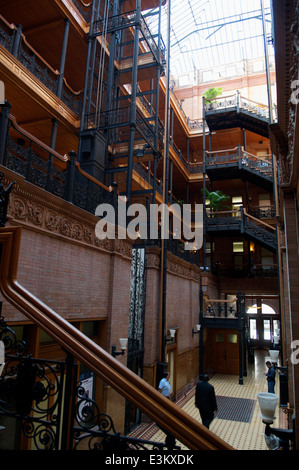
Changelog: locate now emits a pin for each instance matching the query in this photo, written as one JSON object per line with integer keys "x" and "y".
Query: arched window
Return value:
{"x": 264, "y": 309}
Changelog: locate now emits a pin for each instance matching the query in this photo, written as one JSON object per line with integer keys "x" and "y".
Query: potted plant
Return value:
{"x": 210, "y": 95}
{"x": 216, "y": 200}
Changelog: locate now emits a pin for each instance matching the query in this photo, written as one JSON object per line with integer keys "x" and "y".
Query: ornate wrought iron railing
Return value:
{"x": 240, "y": 103}
{"x": 84, "y": 9}
{"x": 46, "y": 399}
{"x": 47, "y": 169}
{"x": 12, "y": 38}
{"x": 220, "y": 308}
{"x": 244, "y": 160}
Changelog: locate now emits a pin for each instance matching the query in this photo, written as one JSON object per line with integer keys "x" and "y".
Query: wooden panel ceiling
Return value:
{"x": 43, "y": 28}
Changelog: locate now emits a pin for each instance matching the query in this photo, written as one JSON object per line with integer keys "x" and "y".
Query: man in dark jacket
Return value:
{"x": 270, "y": 377}
{"x": 205, "y": 401}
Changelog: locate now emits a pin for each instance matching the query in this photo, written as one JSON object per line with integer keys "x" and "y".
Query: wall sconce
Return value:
{"x": 123, "y": 346}
{"x": 268, "y": 403}
{"x": 172, "y": 335}
{"x": 195, "y": 332}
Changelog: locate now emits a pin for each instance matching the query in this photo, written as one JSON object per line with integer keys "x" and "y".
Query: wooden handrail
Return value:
{"x": 175, "y": 420}
{"x": 258, "y": 220}
{"x": 222, "y": 151}
{"x": 63, "y": 158}
{"x": 91, "y": 178}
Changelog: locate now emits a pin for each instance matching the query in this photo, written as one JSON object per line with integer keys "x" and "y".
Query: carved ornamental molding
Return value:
{"x": 29, "y": 207}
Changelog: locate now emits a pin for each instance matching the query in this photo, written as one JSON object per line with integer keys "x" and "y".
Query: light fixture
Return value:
{"x": 123, "y": 346}
{"x": 268, "y": 403}
{"x": 171, "y": 334}
{"x": 197, "y": 331}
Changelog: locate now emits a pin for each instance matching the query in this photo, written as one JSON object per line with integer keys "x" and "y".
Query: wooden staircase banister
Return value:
{"x": 176, "y": 421}
{"x": 258, "y": 221}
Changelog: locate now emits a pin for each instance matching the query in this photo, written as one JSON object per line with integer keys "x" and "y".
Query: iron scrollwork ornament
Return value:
{"x": 31, "y": 391}
{"x": 95, "y": 430}
{"x": 4, "y": 199}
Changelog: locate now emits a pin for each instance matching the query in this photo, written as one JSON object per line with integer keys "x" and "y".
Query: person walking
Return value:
{"x": 164, "y": 385}
{"x": 270, "y": 377}
{"x": 205, "y": 401}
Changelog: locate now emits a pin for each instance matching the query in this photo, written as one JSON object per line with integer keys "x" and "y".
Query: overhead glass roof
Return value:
{"x": 209, "y": 33}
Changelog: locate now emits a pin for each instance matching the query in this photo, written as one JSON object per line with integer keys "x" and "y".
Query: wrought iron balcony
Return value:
{"x": 47, "y": 169}
{"x": 15, "y": 42}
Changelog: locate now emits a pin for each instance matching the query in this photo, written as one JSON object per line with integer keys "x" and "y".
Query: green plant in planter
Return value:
{"x": 211, "y": 94}
{"x": 217, "y": 199}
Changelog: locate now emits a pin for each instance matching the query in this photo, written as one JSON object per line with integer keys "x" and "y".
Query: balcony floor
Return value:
{"x": 245, "y": 434}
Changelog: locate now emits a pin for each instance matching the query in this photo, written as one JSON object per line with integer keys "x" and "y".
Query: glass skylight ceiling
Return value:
{"x": 209, "y": 33}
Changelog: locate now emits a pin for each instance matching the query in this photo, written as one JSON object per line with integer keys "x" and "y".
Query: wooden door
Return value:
{"x": 226, "y": 352}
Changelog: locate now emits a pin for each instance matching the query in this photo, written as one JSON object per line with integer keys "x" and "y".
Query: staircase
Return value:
{"x": 236, "y": 163}
{"x": 241, "y": 222}
{"x": 259, "y": 231}
{"x": 227, "y": 112}
{"x": 166, "y": 414}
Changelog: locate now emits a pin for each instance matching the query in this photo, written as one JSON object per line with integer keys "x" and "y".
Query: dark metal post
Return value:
{"x": 240, "y": 339}
{"x": 159, "y": 70}
{"x": 244, "y": 335}
{"x": 204, "y": 183}
{"x": 133, "y": 100}
{"x": 52, "y": 145}
{"x": 71, "y": 173}
{"x": 267, "y": 64}
{"x": 69, "y": 391}
{"x": 201, "y": 348}
{"x": 165, "y": 198}
{"x": 17, "y": 40}
{"x": 4, "y": 122}
{"x": 62, "y": 58}
{"x": 87, "y": 73}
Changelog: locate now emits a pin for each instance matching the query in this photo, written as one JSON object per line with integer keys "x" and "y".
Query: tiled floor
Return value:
{"x": 240, "y": 435}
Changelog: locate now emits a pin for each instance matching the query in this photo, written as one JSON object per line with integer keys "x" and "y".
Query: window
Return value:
{"x": 207, "y": 76}
{"x": 258, "y": 66}
{"x": 267, "y": 259}
{"x": 219, "y": 337}
{"x": 231, "y": 71}
{"x": 266, "y": 309}
{"x": 252, "y": 329}
{"x": 184, "y": 80}
{"x": 264, "y": 200}
{"x": 238, "y": 247}
{"x": 252, "y": 310}
{"x": 267, "y": 330}
{"x": 233, "y": 339}
{"x": 237, "y": 202}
